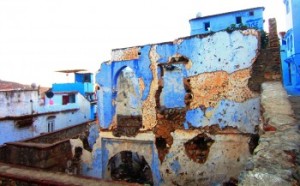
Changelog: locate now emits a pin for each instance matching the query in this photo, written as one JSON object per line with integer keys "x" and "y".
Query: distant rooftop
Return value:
{"x": 73, "y": 71}
{"x": 214, "y": 15}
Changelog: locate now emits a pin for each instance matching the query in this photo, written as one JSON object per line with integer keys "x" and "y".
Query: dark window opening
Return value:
{"x": 287, "y": 6}
{"x": 65, "y": 100}
{"x": 207, "y": 26}
{"x": 238, "y": 20}
{"x": 68, "y": 99}
{"x": 283, "y": 42}
{"x": 72, "y": 98}
{"x": 51, "y": 125}
{"x": 251, "y": 13}
{"x": 87, "y": 78}
{"x": 292, "y": 42}
{"x": 130, "y": 167}
{"x": 289, "y": 74}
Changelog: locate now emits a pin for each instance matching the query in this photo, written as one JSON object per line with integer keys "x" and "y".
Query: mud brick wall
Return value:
{"x": 267, "y": 66}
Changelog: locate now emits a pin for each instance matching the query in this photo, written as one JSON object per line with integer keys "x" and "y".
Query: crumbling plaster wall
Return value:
{"x": 195, "y": 88}
{"x": 95, "y": 163}
{"x": 225, "y": 159}
{"x": 217, "y": 71}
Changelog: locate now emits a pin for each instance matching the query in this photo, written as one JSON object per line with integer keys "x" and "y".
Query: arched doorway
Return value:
{"x": 130, "y": 167}
{"x": 128, "y": 103}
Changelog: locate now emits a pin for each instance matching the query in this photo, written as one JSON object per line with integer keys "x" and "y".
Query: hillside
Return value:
{"x": 9, "y": 85}
{"x": 6, "y": 85}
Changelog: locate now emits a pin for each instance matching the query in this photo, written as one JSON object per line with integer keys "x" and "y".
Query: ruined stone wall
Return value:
{"x": 199, "y": 117}
{"x": 202, "y": 71}
{"x": 267, "y": 66}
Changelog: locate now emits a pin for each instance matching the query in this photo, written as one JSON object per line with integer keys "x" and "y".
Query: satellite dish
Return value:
{"x": 49, "y": 94}
{"x": 33, "y": 86}
{"x": 199, "y": 14}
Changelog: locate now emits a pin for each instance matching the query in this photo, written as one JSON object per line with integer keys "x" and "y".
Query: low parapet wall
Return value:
{"x": 50, "y": 151}
{"x": 18, "y": 175}
{"x": 39, "y": 155}
{"x": 60, "y": 135}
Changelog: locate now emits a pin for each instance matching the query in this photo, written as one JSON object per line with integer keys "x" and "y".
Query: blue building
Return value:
{"x": 252, "y": 17}
{"x": 290, "y": 48}
{"x": 83, "y": 84}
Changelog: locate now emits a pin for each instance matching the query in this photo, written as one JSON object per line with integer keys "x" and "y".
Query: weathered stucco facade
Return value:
{"x": 26, "y": 114}
{"x": 183, "y": 107}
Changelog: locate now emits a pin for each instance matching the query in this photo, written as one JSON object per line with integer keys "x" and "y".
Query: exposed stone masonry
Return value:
{"x": 276, "y": 159}
{"x": 267, "y": 66}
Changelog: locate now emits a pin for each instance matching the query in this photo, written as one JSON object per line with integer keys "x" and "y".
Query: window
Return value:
{"x": 292, "y": 42}
{"x": 289, "y": 74}
{"x": 207, "y": 26}
{"x": 238, "y": 20}
{"x": 51, "y": 124}
{"x": 283, "y": 42}
{"x": 287, "y": 6}
{"x": 70, "y": 98}
{"x": 251, "y": 13}
{"x": 87, "y": 78}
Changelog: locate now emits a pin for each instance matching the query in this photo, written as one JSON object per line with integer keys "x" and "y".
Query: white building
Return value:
{"x": 26, "y": 113}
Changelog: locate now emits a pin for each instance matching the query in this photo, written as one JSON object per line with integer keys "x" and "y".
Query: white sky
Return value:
{"x": 38, "y": 37}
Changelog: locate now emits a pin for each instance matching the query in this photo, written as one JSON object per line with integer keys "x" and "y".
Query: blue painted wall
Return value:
{"x": 83, "y": 83}
{"x": 107, "y": 79}
{"x": 290, "y": 49}
{"x": 231, "y": 103}
{"x": 173, "y": 93}
{"x": 82, "y": 88}
{"x": 226, "y": 113}
{"x": 10, "y": 133}
{"x": 68, "y": 87}
{"x": 251, "y": 17}
{"x": 203, "y": 52}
